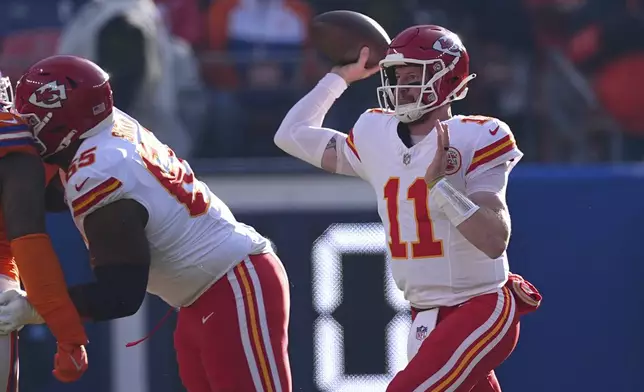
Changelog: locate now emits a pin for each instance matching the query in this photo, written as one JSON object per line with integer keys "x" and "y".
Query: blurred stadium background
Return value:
{"x": 214, "y": 81}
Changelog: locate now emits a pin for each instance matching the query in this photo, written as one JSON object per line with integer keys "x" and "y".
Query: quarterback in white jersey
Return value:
{"x": 150, "y": 224}
{"x": 440, "y": 183}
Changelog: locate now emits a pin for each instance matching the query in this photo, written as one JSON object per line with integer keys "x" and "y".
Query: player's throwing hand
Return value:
{"x": 436, "y": 170}
{"x": 356, "y": 71}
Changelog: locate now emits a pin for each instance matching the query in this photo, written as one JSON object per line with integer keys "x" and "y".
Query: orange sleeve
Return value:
{"x": 44, "y": 282}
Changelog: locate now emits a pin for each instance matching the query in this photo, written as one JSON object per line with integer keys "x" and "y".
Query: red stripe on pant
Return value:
{"x": 252, "y": 311}
{"x": 467, "y": 344}
{"x": 476, "y": 347}
{"x": 218, "y": 339}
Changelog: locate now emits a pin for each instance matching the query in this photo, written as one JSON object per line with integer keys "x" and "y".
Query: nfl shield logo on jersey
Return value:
{"x": 406, "y": 158}
{"x": 421, "y": 332}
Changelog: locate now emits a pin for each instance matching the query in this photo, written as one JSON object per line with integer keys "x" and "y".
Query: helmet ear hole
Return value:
{"x": 58, "y": 129}
{"x": 71, "y": 82}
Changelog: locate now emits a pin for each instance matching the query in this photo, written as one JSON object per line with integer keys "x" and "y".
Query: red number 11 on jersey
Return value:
{"x": 425, "y": 246}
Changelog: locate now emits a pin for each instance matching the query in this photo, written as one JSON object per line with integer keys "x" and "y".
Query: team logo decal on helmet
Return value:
{"x": 49, "y": 96}
{"x": 449, "y": 44}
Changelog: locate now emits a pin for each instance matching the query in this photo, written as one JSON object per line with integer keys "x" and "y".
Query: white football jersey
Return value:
{"x": 194, "y": 238}
{"x": 431, "y": 262}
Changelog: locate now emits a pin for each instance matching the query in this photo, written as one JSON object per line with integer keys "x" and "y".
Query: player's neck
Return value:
{"x": 63, "y": 158}
{"x": 425, "y": 125}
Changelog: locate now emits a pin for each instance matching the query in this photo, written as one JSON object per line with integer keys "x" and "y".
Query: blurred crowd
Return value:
{"x": 213, "y": 78}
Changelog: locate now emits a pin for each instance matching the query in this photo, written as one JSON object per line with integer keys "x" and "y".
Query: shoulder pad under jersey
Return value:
{"x": 493, "y": 145}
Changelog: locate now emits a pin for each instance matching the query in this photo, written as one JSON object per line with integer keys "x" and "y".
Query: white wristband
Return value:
{"x": 453, "y": 203}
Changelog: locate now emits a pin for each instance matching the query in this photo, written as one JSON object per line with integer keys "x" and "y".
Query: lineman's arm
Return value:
{"x": 115, "y": 233}
{"x": 22, "y": 177}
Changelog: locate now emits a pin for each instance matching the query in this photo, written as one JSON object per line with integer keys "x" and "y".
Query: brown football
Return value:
{"x": 340, "y": 35}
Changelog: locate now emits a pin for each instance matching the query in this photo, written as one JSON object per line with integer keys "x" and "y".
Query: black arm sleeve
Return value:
{"x": 121, "y": 53}
{"x": 121, "y": 257}
{"x": 118, "y": 292}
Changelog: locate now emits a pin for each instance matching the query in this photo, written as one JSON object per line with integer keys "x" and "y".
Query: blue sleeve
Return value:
{"x": 18, "y": 135}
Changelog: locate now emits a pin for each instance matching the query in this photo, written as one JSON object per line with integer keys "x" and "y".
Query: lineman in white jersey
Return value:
{"x": 151, "y": 224}
{"x": 440, "y": 182}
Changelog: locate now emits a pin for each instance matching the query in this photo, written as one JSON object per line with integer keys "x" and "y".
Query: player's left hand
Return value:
{"x": 16, "y": 311}
{"x": 70, "y": 362}
{"x": 436, "y": 170}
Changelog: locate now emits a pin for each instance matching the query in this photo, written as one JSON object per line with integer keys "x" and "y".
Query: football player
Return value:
{"x": 440, "y": 180}
{"x": 149, "y": 223}
{"x": 26, "y": 251}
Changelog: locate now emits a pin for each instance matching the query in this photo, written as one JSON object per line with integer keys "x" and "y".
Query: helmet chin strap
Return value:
{"x": 410, "y": 112}
{"x": 67, "y": 140}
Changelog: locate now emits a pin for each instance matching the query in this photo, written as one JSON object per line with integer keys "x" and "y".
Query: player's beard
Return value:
{"x": 425, "y": 118}
{"x": 422, "y": 118}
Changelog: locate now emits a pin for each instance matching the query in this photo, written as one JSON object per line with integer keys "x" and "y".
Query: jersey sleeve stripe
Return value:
{"x": 8, "y": 131}
{"x": 95, "y": 195}
{"x": 491, "y": 147}
{"x": 22, "y": 133}
{"x": 492, "y": 152}
{"x": 19, "y": 142}
{"x": 352, "y": 145}
{"x": 15, "y": 136}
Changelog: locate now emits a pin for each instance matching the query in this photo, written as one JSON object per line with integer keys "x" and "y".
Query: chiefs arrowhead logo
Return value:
{"x": 49, "y": 96}
{"x": 453, "y": 161}
{"x": 449, "y": 44}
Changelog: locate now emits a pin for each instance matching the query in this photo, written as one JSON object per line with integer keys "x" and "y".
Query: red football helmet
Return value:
{"x": 445, "y": 65}
{"x": 63, "y": 98}
{"x": 6, "y": 93}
